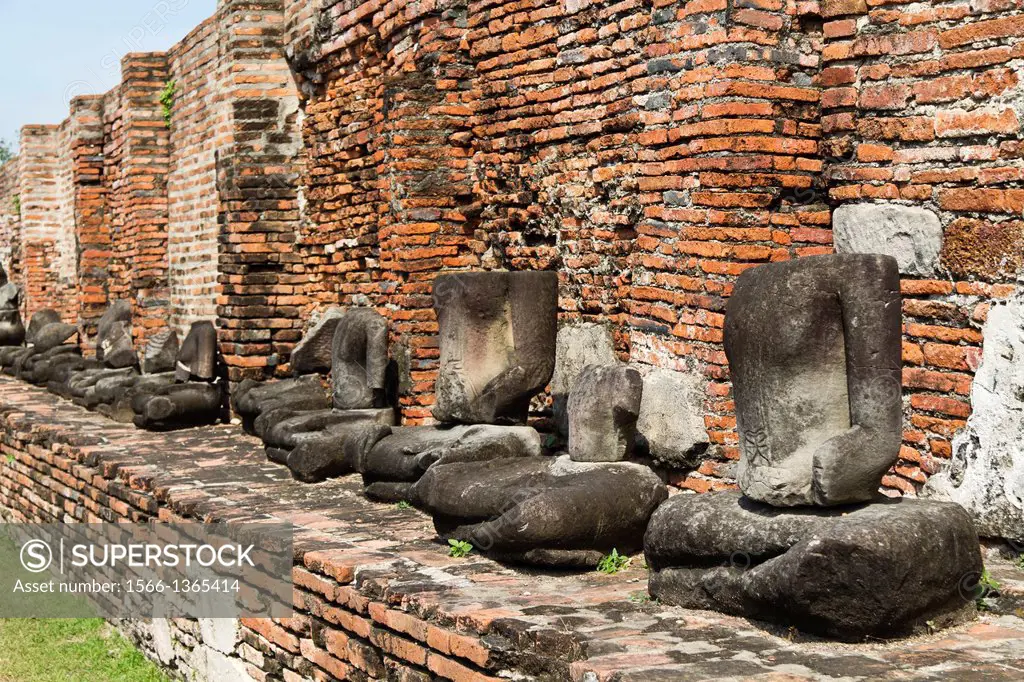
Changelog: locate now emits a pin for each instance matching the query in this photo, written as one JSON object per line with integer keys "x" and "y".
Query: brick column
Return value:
{"x": 38, "y": 192}
{"x": 261, "y": 300}
{"x": 144, "y": 179}
{"x": 89, "y": 197}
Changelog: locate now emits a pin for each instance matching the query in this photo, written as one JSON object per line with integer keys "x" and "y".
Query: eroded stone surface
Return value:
{"x": 497, "y": 335}
{"x": 670, "y": 426}
{"x": 876, "y": 570}
{"x": 54, "y": 335}
{"x": 986, "y": 473}
{"x": 910, "y": 234}
{"x": 117, "y": 346}
{"x": 411, "y": 450}
{"x": 113, "y": 333}
{"x": 38, "y": 321}
{"x": 603, "y": 408}
{"x": 160, "y": 352}
{"x": 542, "y": 510}
{"x": 577, "y": 345}
{"x": 360, "y": 360}
{"x": 12, "y": 331}
{"x": 814, "y": 349}
{"x": 197, "y": 358}
{"x": 312, "y": 354}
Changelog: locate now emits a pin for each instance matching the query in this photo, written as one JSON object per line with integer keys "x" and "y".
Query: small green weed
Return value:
{"x": 167, "y": 96}
{"x": 402, "y": 504}
{"x": 613, "y": 563}
{"x": 459, "y": 548}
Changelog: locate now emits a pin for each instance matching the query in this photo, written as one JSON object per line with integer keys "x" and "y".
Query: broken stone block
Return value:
{"x": 986, "y": 472}
{"x": 910, "y": 234}
{"x": 113, "y": 334}
{"x": 160, "y": 352}
{"x": 12, "y": 331}
{"x": 814, "y": 349}
{"x": 497, "y": 336}
{"x": 117, "y": 345}
{"x": 603, "y": 407}
{"x": 312, "y": 354}
{"x": 54, "y": 335}
{"x": 285, "y": 433}
{"x": 577, "y": 345}
{"x": 548, "y": 511}
{"x": 197, "y": 359}
{"x": 360, "y": 360}
{"x": 670, "y": 427}
{"x": 336, "y": 451}
{"x": 39, "y": 320}
{"x": 885, "y": 569}
{"x": 409, "y": 451}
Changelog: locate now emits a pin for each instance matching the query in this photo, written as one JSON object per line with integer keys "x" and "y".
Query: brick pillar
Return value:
{"x": 260, "y": 303}
{"x": 10, "y": 220}
{"x": 38, "y": 193}
{"x": 144, "y": 169}
{"x": 89, "y": 197}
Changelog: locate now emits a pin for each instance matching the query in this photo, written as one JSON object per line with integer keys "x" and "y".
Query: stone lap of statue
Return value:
{"x": 310, "y": 359}
{"x": 814, "y": 352}
{"x": 194, "y": 395}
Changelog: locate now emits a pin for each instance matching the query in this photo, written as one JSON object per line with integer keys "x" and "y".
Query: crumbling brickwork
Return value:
{"x": 922, "y": 106}
{"x": 333, "y": 152}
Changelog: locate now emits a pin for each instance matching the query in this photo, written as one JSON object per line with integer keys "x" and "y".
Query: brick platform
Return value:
{"x": 377, "y": 597}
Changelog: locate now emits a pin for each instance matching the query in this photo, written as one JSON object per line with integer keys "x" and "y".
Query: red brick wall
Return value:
{"x": 648, "y": 153}
{"x": 10, "y": 219}
{"x": 922, "y": 106}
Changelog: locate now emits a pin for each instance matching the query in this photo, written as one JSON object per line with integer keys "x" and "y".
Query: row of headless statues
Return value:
{"x": 814, "y": 350}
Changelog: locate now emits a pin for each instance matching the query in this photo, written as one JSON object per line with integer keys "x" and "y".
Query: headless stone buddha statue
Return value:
{"x": 193, "y": 396}
{"x": 814, "y": 351}
{"x": 814, "y": 354}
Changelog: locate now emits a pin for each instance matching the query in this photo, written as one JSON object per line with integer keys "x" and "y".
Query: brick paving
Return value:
{"x": 579, "y": 626}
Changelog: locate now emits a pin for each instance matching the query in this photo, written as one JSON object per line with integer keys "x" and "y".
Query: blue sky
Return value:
{"x": 53, "y": 51}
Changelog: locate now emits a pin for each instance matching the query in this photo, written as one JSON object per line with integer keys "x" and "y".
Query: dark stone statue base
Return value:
{"x": 882, "y": 569}
{"x": 547, "y": 511}
{"x": 192, "y": 403}
{"x": 391, "y": 467}
{"x": 252, "y": 398}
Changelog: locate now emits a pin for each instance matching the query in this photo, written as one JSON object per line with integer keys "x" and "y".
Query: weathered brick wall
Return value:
{"x": 10, "y": 219}
{"x": 923, "y": 106}
{"x": 648, "y": 153}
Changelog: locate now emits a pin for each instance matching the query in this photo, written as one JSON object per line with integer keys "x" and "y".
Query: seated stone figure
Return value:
{"x": 359, "y": 374}
{"x": 53, "y": 345}
{"x": 569, "y": 510}
{"x": 9, "y": 355}
{"x": 12, "y": 331}
{"x": 193, "y": 396}
{"x": 112, "y": 394}
{"x": 814, "y": 351}
{"x": 496, "y": 333}
{"x": 310, "y": 359}
{"x": 115, "y": 358}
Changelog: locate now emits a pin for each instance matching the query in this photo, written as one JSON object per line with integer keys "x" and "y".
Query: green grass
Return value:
{"x": 71, "y": 650}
